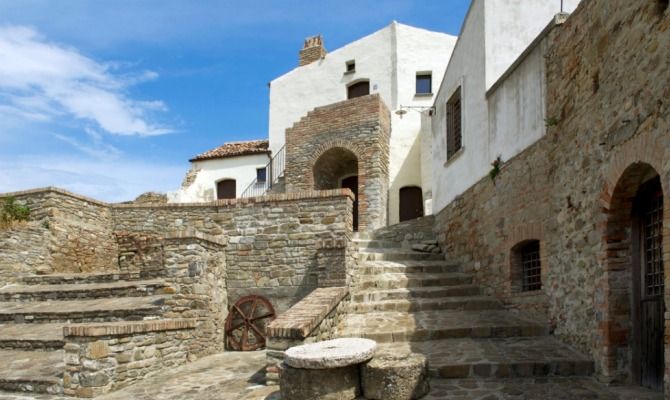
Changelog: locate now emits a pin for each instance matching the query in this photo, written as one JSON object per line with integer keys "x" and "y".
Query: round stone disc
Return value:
{"x": 331, "y": 353}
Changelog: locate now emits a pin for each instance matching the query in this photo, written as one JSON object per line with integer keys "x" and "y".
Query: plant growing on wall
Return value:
{"x": 551, "y": 121}
{"x": 495, "y": 170}
{"x": 12, "y": 213}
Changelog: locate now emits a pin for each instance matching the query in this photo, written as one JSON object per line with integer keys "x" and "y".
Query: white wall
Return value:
{"x": 241, "y": 168}
{"x": 511, "y": 25}
{"x": 494, "y": 35}
{"x": 466, "y": 69}
{"x": 390, "y": 59}
{"x": 517, "y": 106}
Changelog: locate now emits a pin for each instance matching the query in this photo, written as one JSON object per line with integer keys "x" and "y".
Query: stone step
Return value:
{"x": 94, "y": 310}
{"x": 399, "y": 280}
{"x": 448, "y": 303}
{"x": 70, "y": 291}
{"x": 31, "y": 336}
{"x": 376, "y": 267}
{"x": 416, "y": 293}
{"x": 32, "y": 371}
{"x": 377, "y": 254}
{"x": 497, "y": 358}
{"x": 393, "y": 326}
{"x": 97, "y": 277}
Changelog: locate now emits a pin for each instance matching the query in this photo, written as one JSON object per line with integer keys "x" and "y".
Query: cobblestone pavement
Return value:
{"x": 235, "y": 376}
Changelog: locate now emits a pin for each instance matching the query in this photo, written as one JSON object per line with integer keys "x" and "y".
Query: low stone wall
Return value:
{"x": 77, "y": 232}
{"x": 103, "y": 357}
{"x": 280, "y": 246}
{"x": 25, "y": 249}
{"x": 313, "y": 319}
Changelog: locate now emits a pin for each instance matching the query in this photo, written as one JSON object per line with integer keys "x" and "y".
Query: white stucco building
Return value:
{"x": 402, "y": 64}
{"x": 223, "y": 172}
{"x": 493, "y": 91}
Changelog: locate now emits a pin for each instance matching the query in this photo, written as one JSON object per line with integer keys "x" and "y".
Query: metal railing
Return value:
{"x": 273, "y": 171}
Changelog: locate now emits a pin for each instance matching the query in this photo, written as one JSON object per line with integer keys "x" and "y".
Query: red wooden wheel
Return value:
{"x": 246, "y": 323}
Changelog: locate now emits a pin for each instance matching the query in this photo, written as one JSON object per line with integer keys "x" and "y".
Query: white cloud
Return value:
{"x": 42, "y": 80}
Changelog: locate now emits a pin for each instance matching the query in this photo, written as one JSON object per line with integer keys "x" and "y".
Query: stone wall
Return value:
{"x": 68, "y": 233}
{"x": 276, "y": 244}
{"x": 339, "y": 140}
{"x": 313, "y": 319}
{"x": 103, "y": 357}
{"x": 607, "y": 91}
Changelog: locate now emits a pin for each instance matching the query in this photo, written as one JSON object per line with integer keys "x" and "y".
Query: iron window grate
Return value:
{"x": 653, "y": 238}
{"x": 531, "y": 267}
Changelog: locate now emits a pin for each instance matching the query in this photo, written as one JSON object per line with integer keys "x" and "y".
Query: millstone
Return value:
{"x": 390, "y": 377}
{"x": 319, "y": 384}
{"x": 328, "y": 354}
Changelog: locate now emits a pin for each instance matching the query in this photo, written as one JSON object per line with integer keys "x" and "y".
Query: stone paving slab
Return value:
{"x": 67, "y": 307}
{"x": 469, "y": 357}
{"x": 41, "y": 370}
{"x": 416, "y": 293}
{"x": 439, "y": 324}
{"x": 235, "y": 376}
{"x": 11, "y": 290}
{"x": 44, "y": 333}
{"x": 447, "y": 303}
{"x": 534, "y": 389}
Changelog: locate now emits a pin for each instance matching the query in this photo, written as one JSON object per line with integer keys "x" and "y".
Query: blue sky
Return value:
{"x": 110, "y": 98}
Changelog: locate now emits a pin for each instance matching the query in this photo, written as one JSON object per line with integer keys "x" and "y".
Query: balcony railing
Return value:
{"x": 273, "y": 171}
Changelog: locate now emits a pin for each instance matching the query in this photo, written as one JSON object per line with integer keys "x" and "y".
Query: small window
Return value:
{"x": 424, "y": 83}
{"x": 358, "y": 89}
{"x": 454, "y": 134}
{"x": 261, "y": 174}
{"x": 527, "y": 266}
{"x": 225, "y": 189}
{"x": 351, "y": 66}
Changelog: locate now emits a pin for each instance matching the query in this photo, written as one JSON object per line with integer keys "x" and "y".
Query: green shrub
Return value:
{"x": 12, "y": 212}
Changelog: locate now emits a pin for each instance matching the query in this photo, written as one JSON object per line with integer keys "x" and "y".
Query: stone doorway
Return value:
{"x": 634, "y": 270}
{"x": 648, "y": 302}
{"x": 338, "y": 168}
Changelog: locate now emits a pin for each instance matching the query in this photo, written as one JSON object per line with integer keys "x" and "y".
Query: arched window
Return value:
{"x": 226, "y": 189}
{"x": 358, "y": 89}
{"x": 526, "y": 266}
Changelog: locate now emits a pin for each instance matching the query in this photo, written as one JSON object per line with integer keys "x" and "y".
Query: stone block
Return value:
{"x": 395, "y": 377}
{"x": 319, "y": 384}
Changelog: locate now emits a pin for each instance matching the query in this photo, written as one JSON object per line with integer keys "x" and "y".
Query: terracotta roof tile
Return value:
{"x": 233, "y": 149}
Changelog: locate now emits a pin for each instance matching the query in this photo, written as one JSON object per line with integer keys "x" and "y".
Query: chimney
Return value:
{"x": 313, "y": 50}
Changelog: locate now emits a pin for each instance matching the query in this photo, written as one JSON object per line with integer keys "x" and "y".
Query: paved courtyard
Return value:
{"x": 237, "y": 376}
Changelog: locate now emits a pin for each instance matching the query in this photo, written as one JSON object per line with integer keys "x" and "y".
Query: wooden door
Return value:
{"x": 225, "y": 189}
{"x": 352, "y": 183}
{"x": 649, "y": 295}
{"x": 411, "y": 203}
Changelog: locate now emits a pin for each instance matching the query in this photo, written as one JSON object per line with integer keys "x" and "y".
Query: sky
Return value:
{"x": 111, "y": 98}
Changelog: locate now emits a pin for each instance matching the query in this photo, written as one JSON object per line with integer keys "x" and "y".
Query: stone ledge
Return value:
{"x": 52, "y": 189}
{"x": 127, "y": 328}
{"x": 271, "y": 198}
{"x": 306, "y": 315}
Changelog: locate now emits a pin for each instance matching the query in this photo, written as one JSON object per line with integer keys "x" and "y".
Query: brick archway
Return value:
{"x": 355, "y": 129}
{"x": 629, "y": 169}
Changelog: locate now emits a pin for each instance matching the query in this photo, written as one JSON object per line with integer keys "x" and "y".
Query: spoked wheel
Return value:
{"x": 246, "y": 323}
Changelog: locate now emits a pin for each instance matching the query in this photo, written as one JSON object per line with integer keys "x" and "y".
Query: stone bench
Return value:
{"x": 328, "y": 370}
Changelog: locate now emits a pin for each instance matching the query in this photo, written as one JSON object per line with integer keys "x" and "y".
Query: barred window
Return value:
{"x": 454, "y": 133}
{"x": 526, "y": 266}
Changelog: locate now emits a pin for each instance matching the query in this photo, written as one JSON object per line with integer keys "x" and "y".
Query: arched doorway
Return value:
{"x": 338, "y": 168}
{"x": 226, "y": 189}
{"x": 411, "y": 203}
{"x": 635, "y": 277}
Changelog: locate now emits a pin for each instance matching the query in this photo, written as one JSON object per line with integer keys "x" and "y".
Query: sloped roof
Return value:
{"x": 234, "y": 149}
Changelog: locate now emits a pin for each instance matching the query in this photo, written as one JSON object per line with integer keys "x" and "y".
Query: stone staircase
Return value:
{"x": 34, "y": 312}
{"x": 417, "y": 301}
